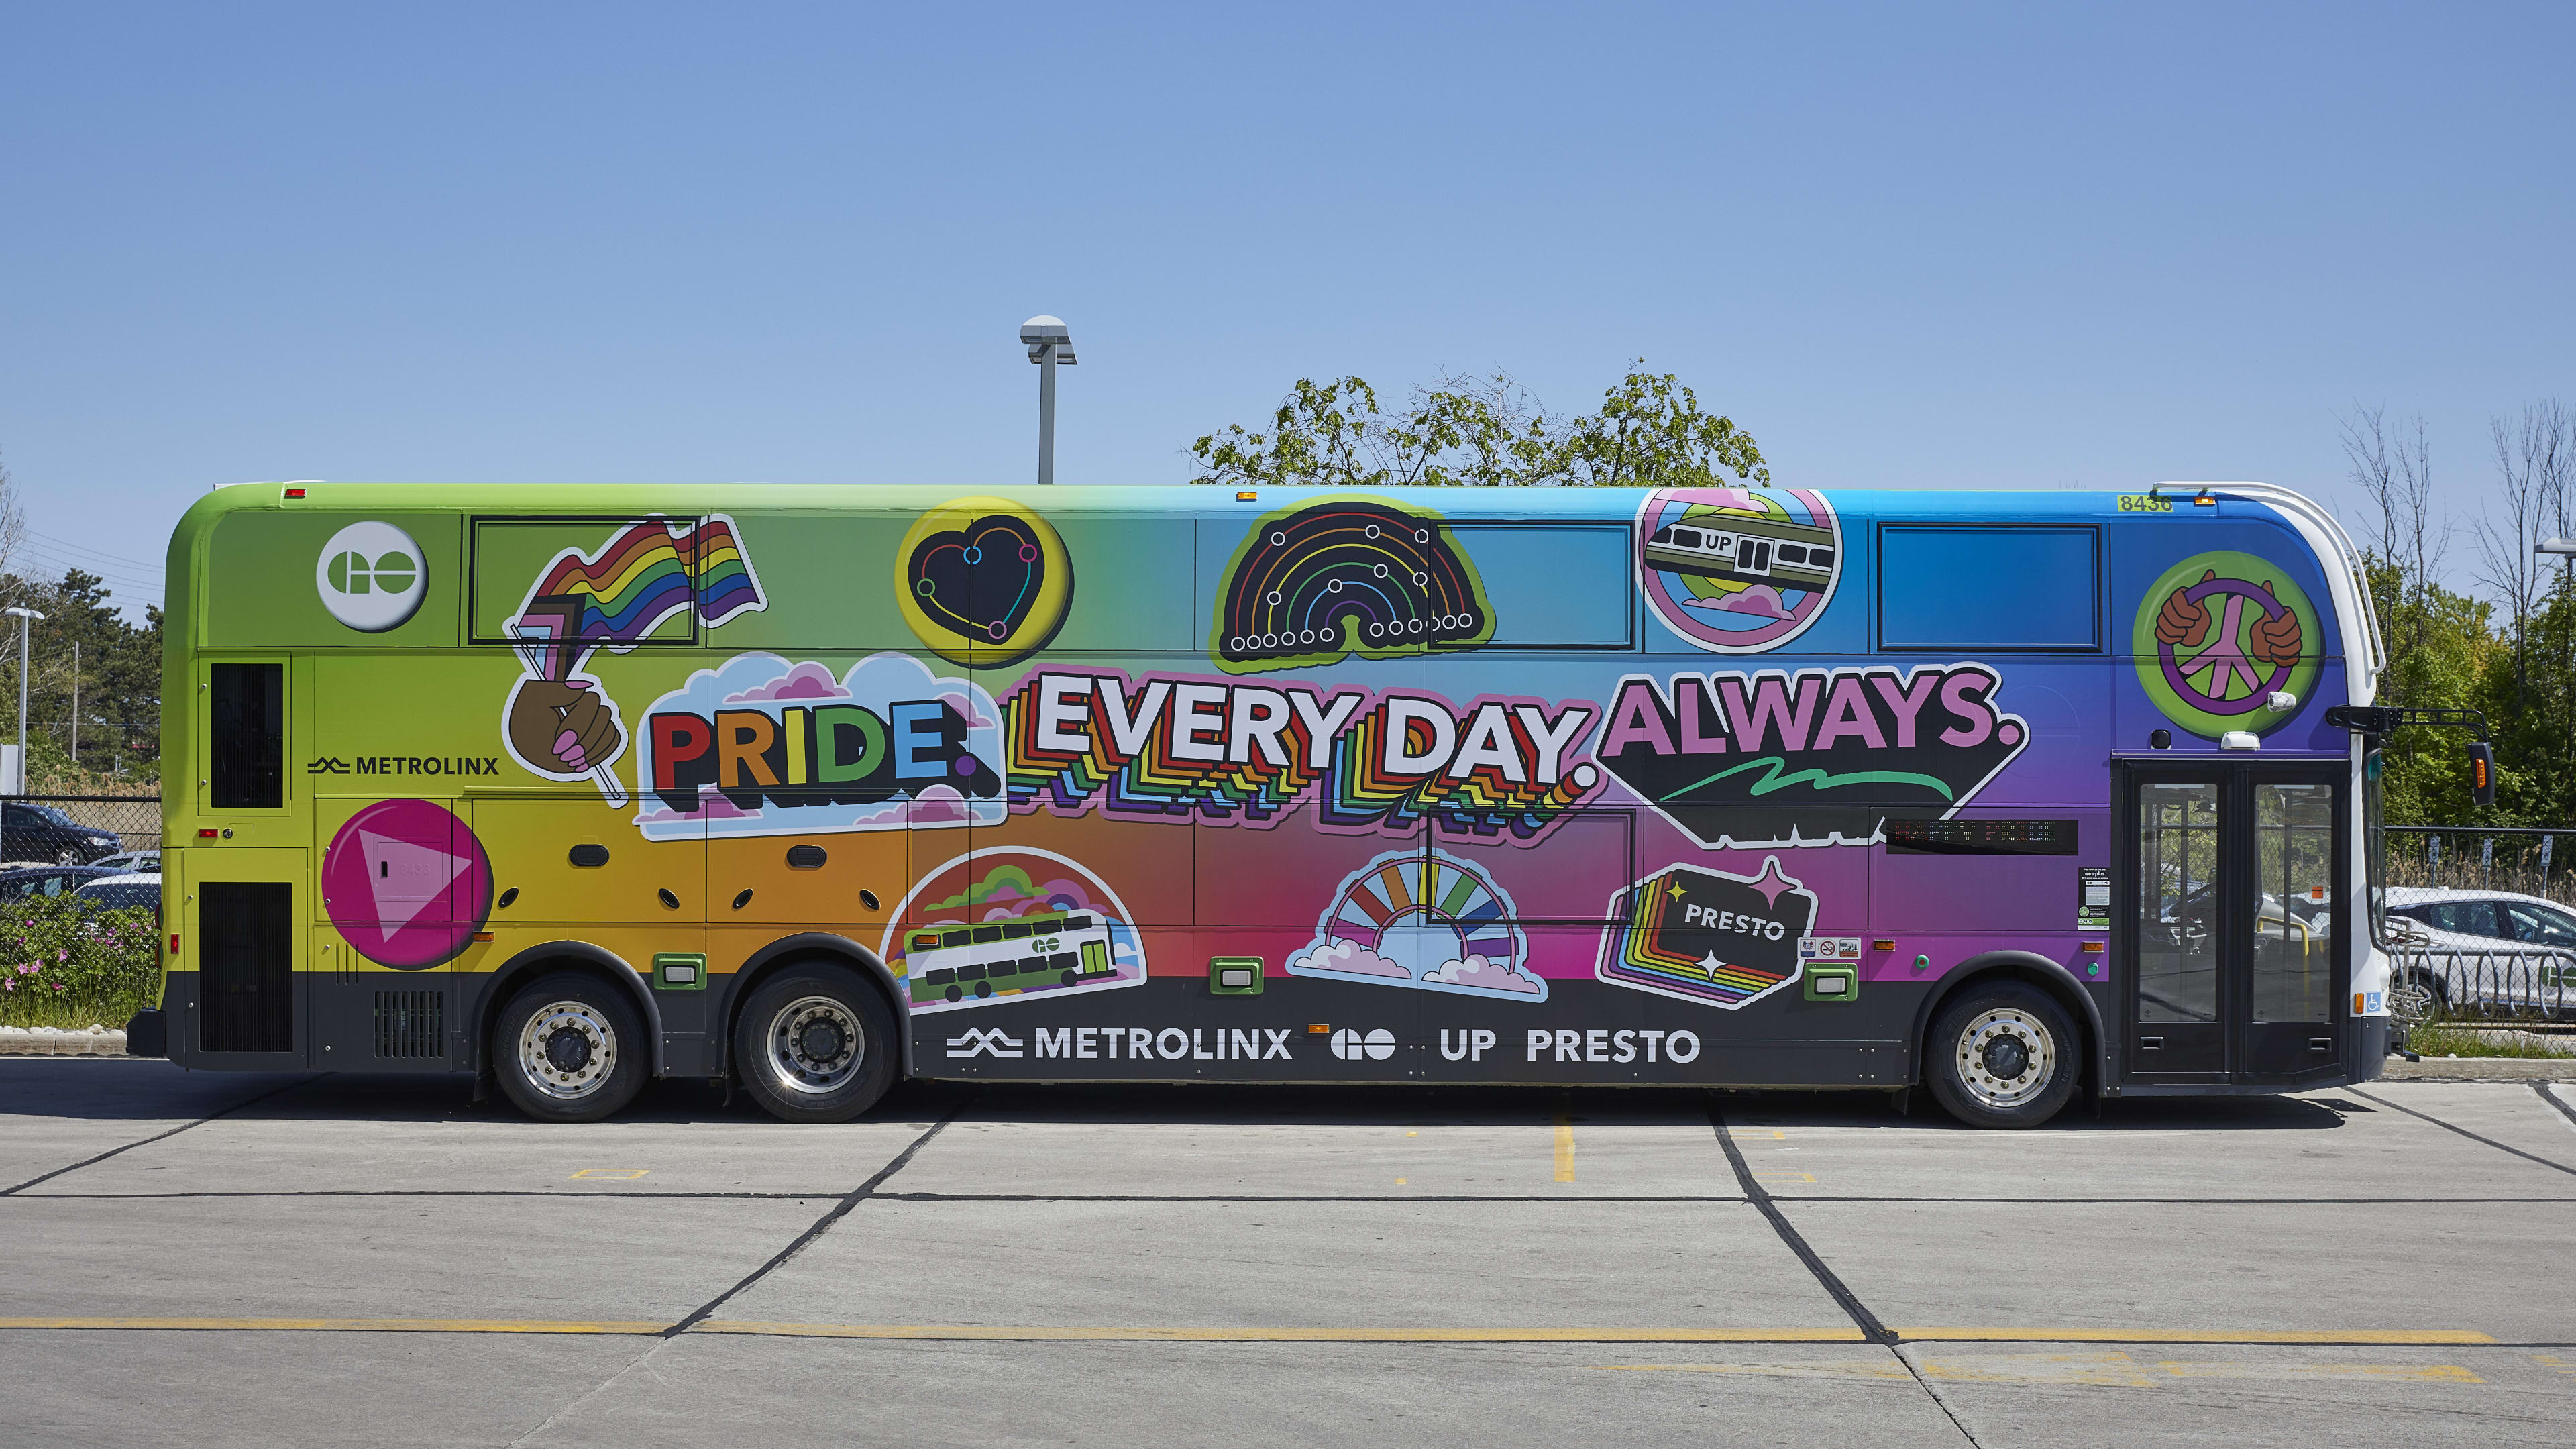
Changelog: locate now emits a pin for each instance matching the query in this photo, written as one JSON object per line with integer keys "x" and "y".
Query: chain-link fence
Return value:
{"x": 77, "y": 829}
{"x": 2525, "y": 861}
{"x": 2506, "y": 982}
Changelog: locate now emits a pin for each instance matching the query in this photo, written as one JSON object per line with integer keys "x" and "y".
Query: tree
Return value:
{"x": 1482, "y": 432}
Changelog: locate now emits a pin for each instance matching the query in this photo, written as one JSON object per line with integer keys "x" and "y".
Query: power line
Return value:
{"x": 144, "y": 564}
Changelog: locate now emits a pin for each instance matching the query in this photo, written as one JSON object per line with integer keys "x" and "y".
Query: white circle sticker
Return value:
{"x": 371, "y": 576}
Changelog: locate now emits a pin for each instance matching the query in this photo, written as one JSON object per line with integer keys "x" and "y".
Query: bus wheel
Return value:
{"x": 569, "y": 1048}
{"x": 816, "y": 1044}
{"x": 2001, "y": 1055}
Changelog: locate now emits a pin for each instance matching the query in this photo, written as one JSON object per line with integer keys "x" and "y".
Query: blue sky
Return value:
{"x": 1905, "y": 246}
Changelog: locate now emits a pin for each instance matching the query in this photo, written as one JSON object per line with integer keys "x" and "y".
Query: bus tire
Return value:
{"x": 816, "y": 1044}
{"x": 2002, "y": 1054}
{"x": 570, "y": 1048}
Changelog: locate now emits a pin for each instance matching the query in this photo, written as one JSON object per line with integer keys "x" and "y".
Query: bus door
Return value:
{"x": 2233, "y": 943}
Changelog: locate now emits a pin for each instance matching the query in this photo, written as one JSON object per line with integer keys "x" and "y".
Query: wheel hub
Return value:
{"x": 816, "y": 1046}
{"x": 567, "y": 1050}
{"x": 2006, "y": 1057}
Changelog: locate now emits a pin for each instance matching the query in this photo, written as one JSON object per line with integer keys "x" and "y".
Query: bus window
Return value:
{"x": 246, "y": 727}
{"x": 1989, "y": 588}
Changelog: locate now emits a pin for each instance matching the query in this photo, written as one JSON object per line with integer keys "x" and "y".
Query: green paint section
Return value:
{"x": 1774, "y": 778}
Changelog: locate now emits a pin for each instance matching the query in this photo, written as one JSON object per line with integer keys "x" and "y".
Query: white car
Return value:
{"x": 132, "y": 862}
{"x": 119, "y": 892}
{"x": 2485, "y": 948}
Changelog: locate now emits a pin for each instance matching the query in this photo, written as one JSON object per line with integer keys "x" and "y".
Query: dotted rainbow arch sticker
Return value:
{"x": 1313, "y": 584}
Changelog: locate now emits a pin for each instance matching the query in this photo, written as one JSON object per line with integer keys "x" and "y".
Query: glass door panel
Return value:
{"x": 2178, "y": 930}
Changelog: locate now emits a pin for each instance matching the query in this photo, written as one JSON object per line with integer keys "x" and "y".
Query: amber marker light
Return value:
{"x": 1317, "y": 1028}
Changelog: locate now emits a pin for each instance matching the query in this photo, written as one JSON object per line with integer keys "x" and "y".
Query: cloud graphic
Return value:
{"x": 1759, "y": 599}
{"x": 1478, "y": 974}
{"x": 1348, "y": 958}
{"x": 805, "y": 681}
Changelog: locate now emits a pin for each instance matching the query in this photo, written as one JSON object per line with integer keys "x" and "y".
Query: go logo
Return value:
{"x": 371, "y": 576}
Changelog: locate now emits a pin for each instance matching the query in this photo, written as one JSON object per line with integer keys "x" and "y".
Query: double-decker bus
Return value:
{"x": 2014, "y": 797}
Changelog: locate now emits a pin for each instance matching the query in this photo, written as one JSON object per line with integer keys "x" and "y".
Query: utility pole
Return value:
{"x": 25, "y": 618}
{"x": 1048, "y": 343}
{"x": 75, "y": 704}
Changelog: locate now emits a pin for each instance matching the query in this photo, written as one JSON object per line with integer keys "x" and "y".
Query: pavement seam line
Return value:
{"x": 2465, "y": 1132}
{"x": 1826, "y": 1278}
{"x": 157, "y": 1137}
{"x": 821, "y": 1225}
{"x": 1938, "y": 1402}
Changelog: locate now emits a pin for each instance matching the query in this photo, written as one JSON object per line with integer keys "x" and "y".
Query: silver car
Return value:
{"x": 2481, "y": 949}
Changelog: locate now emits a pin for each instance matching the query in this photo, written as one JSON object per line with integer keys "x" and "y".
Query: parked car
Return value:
{"x": 131, "y": 862}
{"x": 30, "y": 831}
{"x": 49, "y": 880}
{"x": 2482, "y": 948}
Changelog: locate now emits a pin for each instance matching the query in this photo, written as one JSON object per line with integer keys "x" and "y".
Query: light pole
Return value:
{"x": 1048, "y": 344}
{"x": 25, "y": 618}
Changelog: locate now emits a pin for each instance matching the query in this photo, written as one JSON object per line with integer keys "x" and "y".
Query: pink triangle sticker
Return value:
{"x": 406, "y": 876}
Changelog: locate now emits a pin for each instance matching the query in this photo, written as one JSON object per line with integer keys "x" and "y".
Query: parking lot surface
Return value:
{"x": 206, "y": 1260}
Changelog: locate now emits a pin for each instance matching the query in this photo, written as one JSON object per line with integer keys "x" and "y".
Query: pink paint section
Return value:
{"x": 406, "y": 883}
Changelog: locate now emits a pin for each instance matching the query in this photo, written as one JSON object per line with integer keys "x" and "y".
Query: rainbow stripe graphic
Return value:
{"x": 1707, "y": 936}
{"x": 1425, "y": 890}
{"x": 642, "y": 576}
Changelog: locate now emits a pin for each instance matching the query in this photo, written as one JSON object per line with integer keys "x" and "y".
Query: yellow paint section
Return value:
{"x": 345, "y": 1325}
{"x": 1286, "y": 1335}
{"x": 2192, "y": 1335}
{"x": 1564, "y": 1149}
{"x": 613, "y": 1174}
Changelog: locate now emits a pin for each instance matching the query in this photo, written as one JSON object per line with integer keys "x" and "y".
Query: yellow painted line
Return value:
{"x": 1283, "y": 1335}
{"x": 2442, "y": 1373}
{"x": 2194, "y": 1335}
{"x": 613, "y": 1174}
{"x": 347, "y": 1325}
{"x": 1784, "y": 1177}
{"x": 1564, "y": 1149}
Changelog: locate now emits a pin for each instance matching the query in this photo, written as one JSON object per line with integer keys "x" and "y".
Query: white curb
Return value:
{"x": 53, "y": 1041}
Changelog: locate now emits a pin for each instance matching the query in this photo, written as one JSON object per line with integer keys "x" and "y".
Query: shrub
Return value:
{"x": 62, "y": 965}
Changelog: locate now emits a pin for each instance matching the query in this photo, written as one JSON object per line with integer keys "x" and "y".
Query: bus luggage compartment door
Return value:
{"x": 241, "y": 920}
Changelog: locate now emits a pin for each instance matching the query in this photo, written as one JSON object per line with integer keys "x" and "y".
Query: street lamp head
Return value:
{"x": 1043, "y": 332}
{"x": 2557, "y": 547}
{"x": 21, "y": 613}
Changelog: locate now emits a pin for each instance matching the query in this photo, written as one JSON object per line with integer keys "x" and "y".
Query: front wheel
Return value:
{"x": 570, "y": 1048}
{"x": 2001, "y": 1055}
{"x": 816, "y": 1044}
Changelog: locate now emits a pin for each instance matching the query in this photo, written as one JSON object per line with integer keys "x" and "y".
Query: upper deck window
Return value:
{"x": 246, "y": 736}
{"x": 1959, "y": 587}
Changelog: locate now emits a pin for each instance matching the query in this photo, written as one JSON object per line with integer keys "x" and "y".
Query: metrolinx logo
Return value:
{"x": 1821, "y": 758}
{"x": 371, "y": 576}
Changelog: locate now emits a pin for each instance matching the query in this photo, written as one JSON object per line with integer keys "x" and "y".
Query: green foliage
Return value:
{"x": 61, "y": 965}
{"x": 1482, "y": 432}
{"x": 120, "y": 682}
{"x": 2447, "y": 650}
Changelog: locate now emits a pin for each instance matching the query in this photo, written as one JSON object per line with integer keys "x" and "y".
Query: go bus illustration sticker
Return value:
{"x": 763, "y": 746}
{"x": 1821, "y": 758}
{"x": 1006, "y": 924}
{"x": 2219, "y": 636}
{"x": 1313, "y": 584}
{"x": 372, "y": 577}
{"x": 558, "y": 723}
{"x": 1705, "y": 936}
{"x": 984, "y": 582}
{"x": 1737, "y": 570}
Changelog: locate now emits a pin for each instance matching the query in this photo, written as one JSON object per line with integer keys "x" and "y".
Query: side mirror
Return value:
{"x": 2482, "y": 772}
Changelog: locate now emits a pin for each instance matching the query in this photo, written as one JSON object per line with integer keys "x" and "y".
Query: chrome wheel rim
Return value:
{"x": 567, "y": 1050}
{"x": 816, "y": 1046}
{"x": 2006, "y": 1057}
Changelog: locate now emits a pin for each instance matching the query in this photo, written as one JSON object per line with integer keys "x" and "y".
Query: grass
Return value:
{"x": 2451, "y": 1038}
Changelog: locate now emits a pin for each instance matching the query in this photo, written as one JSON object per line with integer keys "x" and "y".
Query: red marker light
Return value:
{"x": 205, "y": 835}
{"x": 294, "y": 492}
{"x": 174, "y": 945}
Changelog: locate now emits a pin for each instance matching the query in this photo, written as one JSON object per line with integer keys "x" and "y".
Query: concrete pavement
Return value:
{"x": 212, "y": 1259}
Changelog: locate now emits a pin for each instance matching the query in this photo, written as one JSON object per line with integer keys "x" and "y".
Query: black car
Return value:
{"x": 29, "y": 831}
{"x": 49, "y": 880}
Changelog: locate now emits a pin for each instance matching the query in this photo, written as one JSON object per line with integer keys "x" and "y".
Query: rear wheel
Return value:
{"x": 570, "y": 1048}
{"x": 816, "y": 1044}
{"x": 2001, "y": 1055}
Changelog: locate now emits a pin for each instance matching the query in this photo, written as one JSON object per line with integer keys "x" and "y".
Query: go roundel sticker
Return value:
{"x": 371, "y": 576}
{"x": 2218, "y": 636}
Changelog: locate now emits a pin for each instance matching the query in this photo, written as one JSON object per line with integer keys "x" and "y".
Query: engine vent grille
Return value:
{"x": 411, "y": 1024}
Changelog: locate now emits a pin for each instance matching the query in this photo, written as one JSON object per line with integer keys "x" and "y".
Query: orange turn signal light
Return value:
{"x": 1317, "y": 1028}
